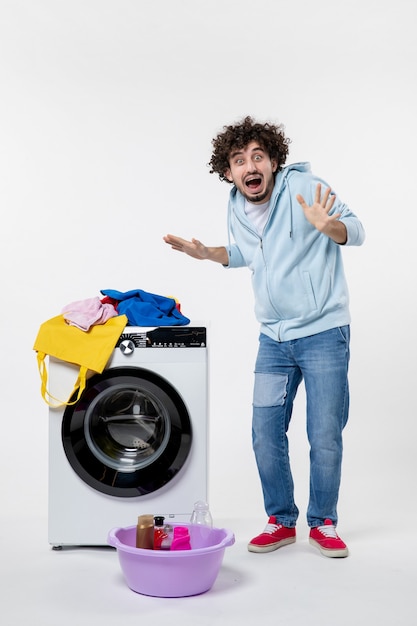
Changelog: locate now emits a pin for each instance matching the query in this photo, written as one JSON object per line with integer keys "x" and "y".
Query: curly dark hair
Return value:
{"x": 271, "y": 137}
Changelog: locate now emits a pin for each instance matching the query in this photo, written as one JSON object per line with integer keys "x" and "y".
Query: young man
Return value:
{"x": 288, "y": 228}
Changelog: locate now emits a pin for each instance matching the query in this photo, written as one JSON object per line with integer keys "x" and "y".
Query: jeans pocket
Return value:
{"x": 269, "y": 389}
{"x": 345, "y": 333}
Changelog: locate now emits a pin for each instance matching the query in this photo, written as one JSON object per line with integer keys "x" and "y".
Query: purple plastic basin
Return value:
{"x": 176, "y": 573}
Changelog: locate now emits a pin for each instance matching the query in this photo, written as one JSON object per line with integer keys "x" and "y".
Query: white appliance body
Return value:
{"x": 135, "y": 442}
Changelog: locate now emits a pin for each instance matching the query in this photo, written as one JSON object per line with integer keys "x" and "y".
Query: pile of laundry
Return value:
{"x": 140, "y": 307}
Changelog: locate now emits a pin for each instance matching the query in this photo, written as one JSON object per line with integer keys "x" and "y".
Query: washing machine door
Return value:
{"x": 129, "y": 434}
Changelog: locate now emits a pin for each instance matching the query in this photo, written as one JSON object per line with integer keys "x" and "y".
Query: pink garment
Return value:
{"x": 86, "y": 313}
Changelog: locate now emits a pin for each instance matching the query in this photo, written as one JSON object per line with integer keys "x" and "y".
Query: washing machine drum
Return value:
{"x": 129, "y": 434}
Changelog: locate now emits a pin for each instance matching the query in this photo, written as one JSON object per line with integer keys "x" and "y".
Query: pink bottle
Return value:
{"x": 181, "y": 539}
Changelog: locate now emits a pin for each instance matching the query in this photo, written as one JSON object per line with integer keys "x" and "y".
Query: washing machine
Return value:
{"x": 135, "y": 442}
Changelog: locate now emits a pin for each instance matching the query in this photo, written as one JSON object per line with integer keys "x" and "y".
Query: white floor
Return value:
{"x": 376, "y": 584}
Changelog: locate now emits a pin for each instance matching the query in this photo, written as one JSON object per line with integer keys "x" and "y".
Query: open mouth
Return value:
{"x": 253, "y": 183}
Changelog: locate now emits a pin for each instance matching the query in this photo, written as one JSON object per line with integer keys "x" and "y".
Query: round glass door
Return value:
{"x": 129, "y": 434}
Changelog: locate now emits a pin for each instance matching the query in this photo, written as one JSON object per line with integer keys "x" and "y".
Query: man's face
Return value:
{"x": 252, "y": 171}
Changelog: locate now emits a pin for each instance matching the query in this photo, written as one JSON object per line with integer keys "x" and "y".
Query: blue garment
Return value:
{"x": 297, "y": 272}
{"x": 147, "y": 309}
{"x": 322, "y": 360}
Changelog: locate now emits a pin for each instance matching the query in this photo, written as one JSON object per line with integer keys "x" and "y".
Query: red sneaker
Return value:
{"x": 326, "y": 539}
{"x": 273, "y": 537}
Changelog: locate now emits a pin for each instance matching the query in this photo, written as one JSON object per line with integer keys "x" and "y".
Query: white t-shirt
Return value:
{"x": 258, "y": 214}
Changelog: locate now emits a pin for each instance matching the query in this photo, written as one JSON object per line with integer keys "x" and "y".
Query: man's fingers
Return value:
{"x": 330, "y": 203}
{"x": 318, "y": 193}
{"x": 328, "y": 198}
{"x": 301, "y": 200}
{"x": 173, "y": 240}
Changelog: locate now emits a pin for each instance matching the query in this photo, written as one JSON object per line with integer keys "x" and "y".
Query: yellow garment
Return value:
{"x": 90, "y": 350}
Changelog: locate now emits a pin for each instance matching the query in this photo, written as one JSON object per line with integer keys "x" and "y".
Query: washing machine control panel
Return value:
{"x": 162, "y": 337}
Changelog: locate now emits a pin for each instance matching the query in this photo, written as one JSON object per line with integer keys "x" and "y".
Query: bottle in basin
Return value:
{"x": 162, "y": 537}
{"x": 144, "y": 532}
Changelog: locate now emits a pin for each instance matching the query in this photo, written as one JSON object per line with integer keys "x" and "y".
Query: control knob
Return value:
{"x": 127, "y": 346}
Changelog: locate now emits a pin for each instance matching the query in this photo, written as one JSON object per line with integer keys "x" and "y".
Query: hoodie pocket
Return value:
{"x": 308, "y": 286}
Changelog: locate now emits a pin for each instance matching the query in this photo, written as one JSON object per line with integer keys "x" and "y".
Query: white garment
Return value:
{"x": 258, "y": 214}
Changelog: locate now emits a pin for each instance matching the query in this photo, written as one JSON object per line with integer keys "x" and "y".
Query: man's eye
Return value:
{"x": 258, "y": 157}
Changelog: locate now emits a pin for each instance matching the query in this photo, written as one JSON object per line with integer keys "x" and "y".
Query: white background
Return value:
{"x": 107, "y": 111}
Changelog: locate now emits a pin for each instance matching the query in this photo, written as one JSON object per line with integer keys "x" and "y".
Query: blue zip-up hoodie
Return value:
{"x": 297, "y": 272}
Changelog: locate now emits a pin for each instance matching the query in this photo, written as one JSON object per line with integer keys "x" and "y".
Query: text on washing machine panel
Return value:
{"x": 163, "y": 337}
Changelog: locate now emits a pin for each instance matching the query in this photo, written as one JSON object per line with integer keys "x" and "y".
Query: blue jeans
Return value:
{"x": 322, "y": 361}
